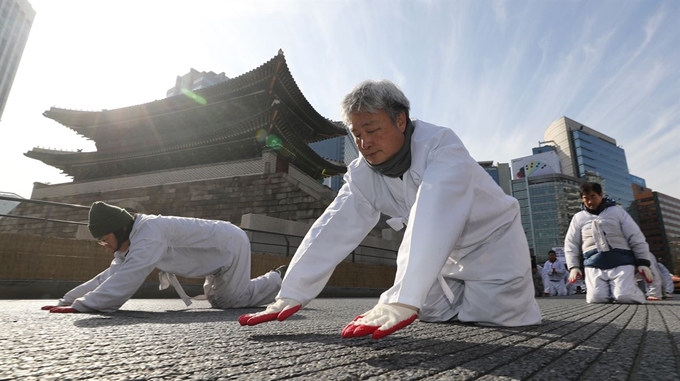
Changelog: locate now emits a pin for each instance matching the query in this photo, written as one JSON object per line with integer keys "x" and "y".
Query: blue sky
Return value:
{"x": 496, "y": 72}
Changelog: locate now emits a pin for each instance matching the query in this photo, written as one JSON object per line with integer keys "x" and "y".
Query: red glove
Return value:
{"x": 64, "y": 310}
{"x": 646, "y": 273}
{"x": 382, "y": 320}
{"x": 47, "y": 308}
{"x": 575, "y": 274}
{"x": 281, "y": 310}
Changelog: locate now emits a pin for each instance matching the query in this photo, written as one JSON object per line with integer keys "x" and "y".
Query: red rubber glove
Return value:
{"x": 280, "y": 310}
{"x": 575, "y": 274}
{"x": 47, "y": 308}
{"x": 646, "y": 273}
{"x": 64, "y": 310}
{"x": 381, "y": 321}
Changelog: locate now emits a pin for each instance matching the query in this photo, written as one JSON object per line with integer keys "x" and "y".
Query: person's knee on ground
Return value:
{"x": 599, "y": 295}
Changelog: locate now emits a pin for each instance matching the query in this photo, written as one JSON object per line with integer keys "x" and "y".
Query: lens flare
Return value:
{"x": 273, "y": 142}
{"x": 261, "y": 135}
{"x": 197, "y": 98}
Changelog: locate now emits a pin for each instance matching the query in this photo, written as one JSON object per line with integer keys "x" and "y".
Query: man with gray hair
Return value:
{"x": 464, "y": 254}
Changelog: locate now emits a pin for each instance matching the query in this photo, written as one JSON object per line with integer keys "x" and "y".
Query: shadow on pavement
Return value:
{"x": 121, "y": 318}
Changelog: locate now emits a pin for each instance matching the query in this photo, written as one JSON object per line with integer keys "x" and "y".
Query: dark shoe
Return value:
{"x": 281, "y": 270}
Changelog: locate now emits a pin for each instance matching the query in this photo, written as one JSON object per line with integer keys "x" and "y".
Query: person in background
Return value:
{"x": 666, "y": 281}
{"x": 653, "y": 291}
{"x": 554, "y": 271}
{"x": 569, "y": 287}
{"x": 612, "y": 246}
{"x": 537, "y": 275}
{"x": 189, "y": 247}
{"x": 464, "y": 254}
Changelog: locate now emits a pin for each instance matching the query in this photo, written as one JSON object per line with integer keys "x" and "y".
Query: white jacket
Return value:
{"x": 448, "y": 202}
{"x": 613, "y": 228}
{"x": 187, "y": 247}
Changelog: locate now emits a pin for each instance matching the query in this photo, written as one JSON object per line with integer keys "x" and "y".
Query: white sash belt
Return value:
{"x": 599, "y": 237}
{"x": 167, "y": 279}
{"x": 445, "y": 288}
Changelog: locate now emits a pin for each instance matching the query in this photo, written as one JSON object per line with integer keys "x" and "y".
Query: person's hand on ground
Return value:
{"x": 646, "y": 273}
{"x": 280, "y": 310}
{"x": 575, "y": 274}
{"x": 381, "y": 321}
{"x": 64, "y": 310}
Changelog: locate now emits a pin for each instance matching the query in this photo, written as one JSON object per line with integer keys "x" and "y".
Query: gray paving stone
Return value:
{"x": 163, "y": 340}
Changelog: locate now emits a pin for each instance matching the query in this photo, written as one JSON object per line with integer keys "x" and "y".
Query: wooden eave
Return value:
{"x": 271, "y": 81}
{"x": 213, "y": 145}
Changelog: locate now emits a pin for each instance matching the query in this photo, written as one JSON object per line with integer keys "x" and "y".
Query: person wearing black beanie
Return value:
{"x": 189, "y": 247}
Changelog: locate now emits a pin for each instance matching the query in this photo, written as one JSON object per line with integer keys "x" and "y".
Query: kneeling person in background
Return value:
{"x": 189, "y": 247}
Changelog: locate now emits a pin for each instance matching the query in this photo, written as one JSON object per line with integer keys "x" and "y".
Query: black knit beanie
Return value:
{"x": 105, "y": 219}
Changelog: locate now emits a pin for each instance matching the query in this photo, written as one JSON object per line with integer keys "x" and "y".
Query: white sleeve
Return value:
{"x": 572, "y": 244}
{"x": 338, "y": 231}
{"x": 431, "y": 235}
{"x": 84, "y": 288}
{"x": 560, "y": 268}
{"x": 113, "y": 292}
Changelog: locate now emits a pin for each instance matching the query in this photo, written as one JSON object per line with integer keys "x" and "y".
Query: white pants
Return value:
{"x": 231, "y": 286}
{"x": 492, "y": 285}
{"x": 571, "y": 287}
{"x": 556, "y": 288}
{"x": 616, "y": 284}
{"x": 655, "y": 288}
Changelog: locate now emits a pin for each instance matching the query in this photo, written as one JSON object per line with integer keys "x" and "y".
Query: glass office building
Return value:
{"x": 340, "y": 150}
{"x": 500, "y": 173}
{"x": 586, "y": 154}
{"x": 195, "y": 80}
{"x": 547, "y": 209}
{"x": 659, "y": 216}
{"x": 608, "y": 161}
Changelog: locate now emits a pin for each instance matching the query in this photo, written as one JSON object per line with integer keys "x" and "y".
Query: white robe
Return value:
{"x": 556, "y": 285}
{"x": 654, "y": 289}
{"x": 188, "y": 247}
{"x": 666, "y": 279}
{"x": 462, "y": 233}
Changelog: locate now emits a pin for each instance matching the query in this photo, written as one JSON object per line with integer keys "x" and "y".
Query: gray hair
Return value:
{"x": 373, "y": 96}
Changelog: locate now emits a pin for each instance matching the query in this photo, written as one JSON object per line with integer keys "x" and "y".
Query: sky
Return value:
{"x": 496, "y": 72}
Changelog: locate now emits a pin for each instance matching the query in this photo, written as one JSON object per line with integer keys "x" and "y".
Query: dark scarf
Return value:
{"x": 401, "y": 161}
{"x": 606, "y": 203}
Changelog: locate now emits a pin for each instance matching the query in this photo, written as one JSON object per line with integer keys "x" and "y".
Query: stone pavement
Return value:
{"x": 162, "y": 340}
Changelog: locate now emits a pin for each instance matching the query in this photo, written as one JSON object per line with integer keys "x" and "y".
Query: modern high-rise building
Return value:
{"x": 659, "y": 219}
{"x": 551, "y": 201}
{"x": 636, "y": 180}
{"x": 340, "y": 150}
{"x": 195, "y": 80}
{"x": 586, "y": 153}
{"x": 16, "y": 19}
{"x": 500, "y": 173}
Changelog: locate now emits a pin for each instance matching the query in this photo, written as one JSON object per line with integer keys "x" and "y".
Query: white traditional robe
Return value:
{"x": 666, "y": 279}
{"x": 189, "y": 247}
{"x": 462, "y": 233}
{"x": 654, "y": 289}
{"x": 555, "y": 279}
